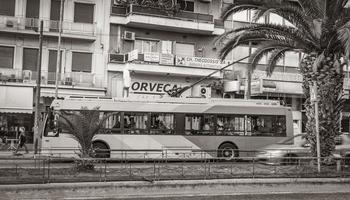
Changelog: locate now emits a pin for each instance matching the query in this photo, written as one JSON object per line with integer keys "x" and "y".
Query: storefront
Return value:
{"x": 152, "y": 86}
{"x": 16, "y": 110}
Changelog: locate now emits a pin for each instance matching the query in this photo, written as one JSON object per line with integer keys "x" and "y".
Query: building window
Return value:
{"x": 55, "y": 10}
{"x": 81, "y": 62}
{"x": 146, "y": 46}
{"x": 32, "y": 9}
{"x": 84, "y": 13}
{"x": 240, "y": 52}
{"x": 241, "y": 16}
{"x": 6, "y": 57}
{"x": 53, "y": 61}
{"x": 30, "y": 59}
{"x": 7, "y": 7}
{"x": 186, "y": 5}
{"x": 184, "y": 49}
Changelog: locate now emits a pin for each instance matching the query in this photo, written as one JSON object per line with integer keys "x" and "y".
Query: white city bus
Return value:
{"x": 175, "y": 127}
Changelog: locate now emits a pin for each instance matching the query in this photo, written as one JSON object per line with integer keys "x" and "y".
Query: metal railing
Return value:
{"x": 22, "y": 23}
{"x": 153, "y": 11}
{"x": 42, "y": 169}
{"x": 79, "y": 79}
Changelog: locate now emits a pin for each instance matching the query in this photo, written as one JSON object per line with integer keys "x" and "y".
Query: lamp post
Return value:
{"x": 314, "y": 99}
{"x": 58, "y": 63}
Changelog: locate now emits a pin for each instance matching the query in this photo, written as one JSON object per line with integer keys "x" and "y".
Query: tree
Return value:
{"x": 83, "y": 126}
{"x": 321, "y": 31}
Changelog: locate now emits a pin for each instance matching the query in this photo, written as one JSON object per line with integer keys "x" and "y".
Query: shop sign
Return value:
{"x": 201, "y": 62}
{"x": 166, "y": 59}
{"x": 152, "y": 87}
{"x": 151, "y": 56}
{"x": 133, "y": 55}
{"x": 256, "y": 87}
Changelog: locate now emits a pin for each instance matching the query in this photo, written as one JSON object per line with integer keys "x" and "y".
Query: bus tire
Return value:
{"x": 228, "y": 150}
{"x": 101, "y": 150}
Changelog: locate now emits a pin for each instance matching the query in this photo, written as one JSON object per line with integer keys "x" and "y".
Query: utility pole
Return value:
{"x": 38, "y": 85}
{"x": 58, "y": 63}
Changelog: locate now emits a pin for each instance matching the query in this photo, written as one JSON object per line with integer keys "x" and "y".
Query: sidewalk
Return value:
{"x": 10, "y": 154}
{"x": 180, "y": 188}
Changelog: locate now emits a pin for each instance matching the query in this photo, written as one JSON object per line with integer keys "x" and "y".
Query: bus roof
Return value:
{"x": 172, "y": 105}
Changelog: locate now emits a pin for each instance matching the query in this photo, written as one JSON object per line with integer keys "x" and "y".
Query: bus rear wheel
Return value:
{"x": 101, "y": 150}
{"x": 228, "y": 150}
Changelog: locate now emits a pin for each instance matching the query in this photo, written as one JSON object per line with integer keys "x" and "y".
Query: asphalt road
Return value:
{"x": 287, "y": 196}
{"x": 281, "y": 196}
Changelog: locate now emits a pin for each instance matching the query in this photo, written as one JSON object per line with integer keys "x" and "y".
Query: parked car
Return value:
{"x": 290, "y": 150}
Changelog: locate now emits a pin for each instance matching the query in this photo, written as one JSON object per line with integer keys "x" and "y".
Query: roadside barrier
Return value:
{"x": 47, "y": 169}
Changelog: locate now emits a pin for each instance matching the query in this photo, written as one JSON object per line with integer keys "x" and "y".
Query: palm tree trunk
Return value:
{"x": 329, "y": 78}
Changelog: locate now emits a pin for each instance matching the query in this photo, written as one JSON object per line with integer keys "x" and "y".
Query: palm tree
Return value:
{"x": 82, "y": 126}
{"x": 321, "y": 31}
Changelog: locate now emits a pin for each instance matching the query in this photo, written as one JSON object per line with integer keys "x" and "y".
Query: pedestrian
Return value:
{"x": 22, "y": 140}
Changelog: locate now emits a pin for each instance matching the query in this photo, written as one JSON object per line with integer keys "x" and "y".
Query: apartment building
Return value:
{"x": 161, "y": 48}
{"x": 82, "y": 70}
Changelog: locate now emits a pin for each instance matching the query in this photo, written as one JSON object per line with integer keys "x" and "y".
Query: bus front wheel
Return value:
{"x": 228, "y": 150}
{"x": 101, "y": 150}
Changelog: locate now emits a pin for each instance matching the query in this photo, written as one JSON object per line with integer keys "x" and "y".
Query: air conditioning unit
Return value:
{"x": 117, "y": 58}
{"x": 10, "y": 23}
{"x": 128, "y": 35}
{"x": 205, "y": 92}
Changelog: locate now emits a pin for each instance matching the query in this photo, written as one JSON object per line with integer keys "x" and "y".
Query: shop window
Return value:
{"x": 81, "y": 62}
{"x": 183, "y": 49}
{"x": 7, "y": 7}
{"x": 145, "y": 46}
{"x": 84, "y": 13}
{"x": 162, "y": 123}
{"x": 30, "y": 59}
{"x": 6, "y": 57}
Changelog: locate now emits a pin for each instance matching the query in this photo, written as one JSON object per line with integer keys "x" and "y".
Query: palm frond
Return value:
{"x": 314, "y": 8}
{"x": 344, "y": 36}
{"x": 234, "y": 8}
{"x": 275, "y": 56}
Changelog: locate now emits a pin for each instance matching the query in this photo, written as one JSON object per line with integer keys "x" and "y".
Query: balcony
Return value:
{"x": 156, "y": 18}
{"x": 69, "y": 79}
{"x": 30, "y": 25}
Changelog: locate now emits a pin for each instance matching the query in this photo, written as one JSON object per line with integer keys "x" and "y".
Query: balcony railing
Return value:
{"x": 76, "y": 79}
{"x": 9, "y": 23}
{"x": 153, "y": 11}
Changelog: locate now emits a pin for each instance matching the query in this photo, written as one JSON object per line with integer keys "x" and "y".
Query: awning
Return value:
{"x": 16, "y": 110}
{"x": 16, "y": 99}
